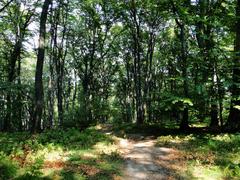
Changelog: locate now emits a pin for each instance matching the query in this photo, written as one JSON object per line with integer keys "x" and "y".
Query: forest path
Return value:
{"x": 145, "y": 161}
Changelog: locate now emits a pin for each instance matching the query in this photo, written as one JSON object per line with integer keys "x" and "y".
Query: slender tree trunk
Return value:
{"x": 19, "y": 98}
{"x": 86, "y": 92}
{"x": 60, "y": 97}
{"x": 148, "y": 78}
{"x": 51, "y": 81}
{"x": 220, "y": 92}
{"x": 137, "y": 65}
{"x": 51, "y": 93}
{"x": 75, "y": 87}
{"x": 15, "y": 55}
{"x": 233, "y": 122}
{"x": 68, "y": 95}
{"x": 128, "y": 91}
{"x": 184, "y": 123}
{"x": 39, "y": 96}
{"x": 214, "y": 100}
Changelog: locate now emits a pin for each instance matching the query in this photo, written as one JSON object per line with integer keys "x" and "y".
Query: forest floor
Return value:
{"x": 145, "y": 161}
{"x": 177, "y": 155}
{"x": 69, "y": 154}
{"x": 105, "y": 152}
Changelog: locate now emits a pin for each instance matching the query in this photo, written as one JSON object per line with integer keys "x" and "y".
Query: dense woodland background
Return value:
{"x": 76, "y": 63}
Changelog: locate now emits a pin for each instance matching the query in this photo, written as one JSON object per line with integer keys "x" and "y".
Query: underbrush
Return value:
{"x": 58, "y": 154}
{"x": 207, "y": 156}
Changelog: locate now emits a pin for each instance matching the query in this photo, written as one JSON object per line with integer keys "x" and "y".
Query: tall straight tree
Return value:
{"x": 234, "y": 116}
{"x": 39, "y": 100}
{"x": 206, "y": 43}
{"x": 183, "y": 55}
{"x": 21, "y": 24}
{"x": 137, "y": 53}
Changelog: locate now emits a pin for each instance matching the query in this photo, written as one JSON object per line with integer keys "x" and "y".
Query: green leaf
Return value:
{"x": 237, "y": 107}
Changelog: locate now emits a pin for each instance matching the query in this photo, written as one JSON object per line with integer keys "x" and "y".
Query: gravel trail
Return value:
{"x": 145, "y": 161}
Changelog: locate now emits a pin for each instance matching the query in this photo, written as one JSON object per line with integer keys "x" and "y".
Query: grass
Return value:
{"x": 91, "y": 154}
{"x": 207, "y": 156}
{"x": 58, "y": 154}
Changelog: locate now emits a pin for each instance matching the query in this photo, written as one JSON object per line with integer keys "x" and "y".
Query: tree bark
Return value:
{"x": 233, "y": 122}
{"x": 184, "y": 123}
{"x": 39, "y": 95}
{"x": 137, "y": 65}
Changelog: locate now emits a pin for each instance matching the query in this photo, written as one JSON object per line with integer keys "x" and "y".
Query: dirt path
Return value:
{"x": 144, "y": 161}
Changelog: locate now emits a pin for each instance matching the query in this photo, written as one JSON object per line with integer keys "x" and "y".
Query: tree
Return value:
{"x": 151, "y": 62}
{"x": 234, "y": 114}
{"x": 183, "y": 54}
{"x": 21, "y": 20}
{"x": 39, "y": 100}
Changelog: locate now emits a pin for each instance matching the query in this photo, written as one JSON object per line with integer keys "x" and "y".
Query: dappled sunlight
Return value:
{"x": 107, "y": 148}
{"x": 119, "y": 89}
{"x": 206, "y": 156}
{"x": 206, "y": 173}
{"x": 145, "y": 144}
{"x": 89, "y": 155}
{"x": 123, "y": 142}
{"x": 56, "y": 156}
{"x": 77, "y": 154}
{"x": 144, "y": 160}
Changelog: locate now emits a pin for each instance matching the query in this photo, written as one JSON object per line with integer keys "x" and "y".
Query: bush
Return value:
{"x": 7, "y": 169}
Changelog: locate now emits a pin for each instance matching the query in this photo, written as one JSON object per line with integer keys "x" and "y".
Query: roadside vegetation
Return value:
{"x": 70, "y": 154}
{"x": 162, "y": 75}
{"x": 200, "y": 153}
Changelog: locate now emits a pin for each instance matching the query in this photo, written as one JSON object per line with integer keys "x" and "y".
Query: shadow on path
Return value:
{"x": 144, "y": 161}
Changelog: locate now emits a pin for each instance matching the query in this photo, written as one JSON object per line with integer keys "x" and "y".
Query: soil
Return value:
{"x": 145, "y": 161}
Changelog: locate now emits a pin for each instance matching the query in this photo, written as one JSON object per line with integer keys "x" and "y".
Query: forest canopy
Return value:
{"x": 76, "y": 63}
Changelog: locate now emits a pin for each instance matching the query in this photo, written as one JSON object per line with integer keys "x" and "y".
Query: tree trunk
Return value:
{"x": 183, "y": 40}
{"x": 137, "y": 65}
{"x": 39, "y": 96}
{"x": 15, "y": 55}
{"x": 51, "y": 93}
{"x": 233, "y": 122}
{"x": 184, "y": 123}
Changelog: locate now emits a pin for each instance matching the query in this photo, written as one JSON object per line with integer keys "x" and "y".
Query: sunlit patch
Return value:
{"x": 166, "y": 150}
{"x": 89, "y": 155}
{"x": 102, "y": 147}
{"x": 145, "y": 144}
{"x": 123, "y": 142}
{"x": 207, "y": 173}
{"x": 55, "y": 156}
{"x": 140, "y": 175}
{"x": 98, "y": 127}
{"x": 78, "y": 155}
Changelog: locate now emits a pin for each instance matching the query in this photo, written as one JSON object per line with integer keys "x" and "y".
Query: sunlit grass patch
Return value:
{"x": 196, "y": 171}
{"x": 207, "y": 156}
{"x": 70, "y": 154}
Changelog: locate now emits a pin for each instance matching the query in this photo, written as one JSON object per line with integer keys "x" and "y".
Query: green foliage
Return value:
{"x": 170, "y": 101}
{"x": 96, "y": 70}
{"x": 34, "y": 169}
{"x": 75, "y": 118}
{"x": 218, "y": 153}
{"x": 7, "y": 168}
{"x": 24, "y": 156}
